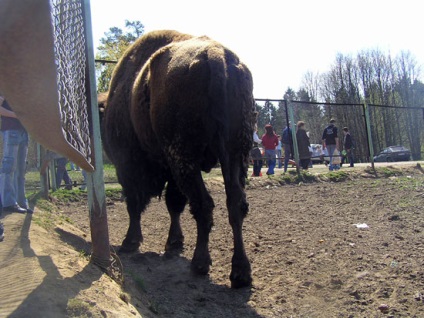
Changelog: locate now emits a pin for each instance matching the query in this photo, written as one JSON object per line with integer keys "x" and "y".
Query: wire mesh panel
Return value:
{"x": 69, "y": 44}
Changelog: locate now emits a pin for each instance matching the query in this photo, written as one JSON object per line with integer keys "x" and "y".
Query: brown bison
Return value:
{"x": 177, "y": 105}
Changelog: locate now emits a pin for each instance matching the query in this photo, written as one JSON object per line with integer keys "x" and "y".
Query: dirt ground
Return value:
{"x": 309, "y": 257}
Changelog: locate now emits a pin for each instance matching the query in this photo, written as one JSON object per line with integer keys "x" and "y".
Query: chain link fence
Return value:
{"x": 69, "y": 43}
{"x": 388, "y": 125}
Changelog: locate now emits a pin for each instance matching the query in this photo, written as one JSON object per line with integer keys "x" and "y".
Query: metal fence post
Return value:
{"x": 369, "y": 137}
{"x": 101, "y": 255}
{"x": 294, "y": 138}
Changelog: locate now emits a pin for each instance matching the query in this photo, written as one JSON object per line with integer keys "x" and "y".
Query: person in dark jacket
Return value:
{"x": 348, "y": 146}
{"x": 286, "y": 139}
{"x": 330, "y": 141}
{"x": 303, "y": 145}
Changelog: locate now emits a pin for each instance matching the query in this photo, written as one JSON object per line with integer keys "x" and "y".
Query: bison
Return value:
{"x": 178, "y": 105}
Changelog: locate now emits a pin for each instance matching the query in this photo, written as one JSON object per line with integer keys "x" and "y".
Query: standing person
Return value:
{"x": 256, "y": 156}
{"x": 13, "y": 166}
{"x": 270, "y": 142}
{"x": 303, "y": 145}
{"x": 255, "y": 136}
{"x": 330, "y": 140}
{"x": 279, "y": 152}
{"x": 287, "y": 141}
{"x": 348, "y": 146}
{"x": 62, "y": 173}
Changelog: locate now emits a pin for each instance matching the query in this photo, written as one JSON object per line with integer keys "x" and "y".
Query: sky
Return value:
{"x": 279, "y": 40}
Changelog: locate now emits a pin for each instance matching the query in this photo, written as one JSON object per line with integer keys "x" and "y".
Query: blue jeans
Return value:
{"x": 13, "y": 167}
{"x": 61, "y": 173}
{"x": 330, "y": 150}
{"x": 287, "y": 153}
{"x": 279, "y": 154}
{"x": 270, "y": 156}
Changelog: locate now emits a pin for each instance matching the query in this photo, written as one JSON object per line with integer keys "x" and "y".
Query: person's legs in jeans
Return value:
{"x": 8, "y": 167}
{"x": 280, "y": 162}
{"x": 20, "y": 171}
{"x": 60, "y": 171}
{"x": 67, "y": 180}
{"x": 330, "y": 150}
{"x": 270, "y": 155}
{"x": 351, "y": 160}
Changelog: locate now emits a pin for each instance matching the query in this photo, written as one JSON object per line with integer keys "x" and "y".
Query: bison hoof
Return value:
{"x": 201, "y": 266}
{"x": 174, "y": 245}
{"x": 241, "y": 276}
{"x": 240, "y": 282}
{"x": 129, "y": 247}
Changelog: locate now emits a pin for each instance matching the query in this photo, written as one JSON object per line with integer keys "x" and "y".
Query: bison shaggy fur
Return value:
{"x": 177, "y": 106}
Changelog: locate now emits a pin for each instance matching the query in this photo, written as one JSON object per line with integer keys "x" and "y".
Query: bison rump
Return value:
{"x": 183, "y": 101}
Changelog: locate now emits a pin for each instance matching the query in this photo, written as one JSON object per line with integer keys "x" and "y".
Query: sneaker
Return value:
{"x": 30, "y": 211}
{"x": 1, "y": 232}
{"x": 14, "y": 208}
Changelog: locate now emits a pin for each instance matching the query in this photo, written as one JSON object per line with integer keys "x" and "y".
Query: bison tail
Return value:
{"x": 217, "y": 93}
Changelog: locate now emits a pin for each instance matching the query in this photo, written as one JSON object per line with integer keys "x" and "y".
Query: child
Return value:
{"x": 256, "y": 155}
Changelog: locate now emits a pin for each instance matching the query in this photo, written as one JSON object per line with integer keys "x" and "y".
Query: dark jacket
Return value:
{"x": 255, "y": 153}
{"x": 347, "y": 142}
{"x": 286, "y": 137}
{"x": 330, "y": 135}
{"x": 303, "y": 144}
{"x": 9, "y": 123}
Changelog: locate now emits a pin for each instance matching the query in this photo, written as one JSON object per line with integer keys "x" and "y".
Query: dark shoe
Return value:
{"x": 14, "y": 208}
{"x": 30, "y": 211}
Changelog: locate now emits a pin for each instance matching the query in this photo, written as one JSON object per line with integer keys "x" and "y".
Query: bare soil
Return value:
{"x": 309, "y": 257}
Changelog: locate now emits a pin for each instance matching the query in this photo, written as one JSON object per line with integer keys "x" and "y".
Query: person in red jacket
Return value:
{"x": 270, "y": 142}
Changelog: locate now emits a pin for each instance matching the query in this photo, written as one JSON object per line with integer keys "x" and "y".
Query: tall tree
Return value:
{"x": 111, "y": 48}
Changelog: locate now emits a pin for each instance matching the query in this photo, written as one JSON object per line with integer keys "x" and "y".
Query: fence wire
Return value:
{"x": 69, "y": 43}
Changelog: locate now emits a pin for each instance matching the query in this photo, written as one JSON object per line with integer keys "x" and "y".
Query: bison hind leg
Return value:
{"x": 175, "y": 202}
{"x": 136, "y": 203}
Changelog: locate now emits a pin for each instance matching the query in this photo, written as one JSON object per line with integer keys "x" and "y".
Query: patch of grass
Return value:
{"x": 83, "y": 254}
{"x": 337, "y": 176}
{"x": 408, "y": 183}
{"x": 49, "y": 219}
{"x": 67, "y": 196}
{"x": 376, "y": 183}
{"x": 387, "y": 171}
{"x": 44, "y": 220}
{"x": 78, "y": 308}
{"x": 404, "y": 203}
{"x": 113, "y": 193}
{"x": 291, "y": 176}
